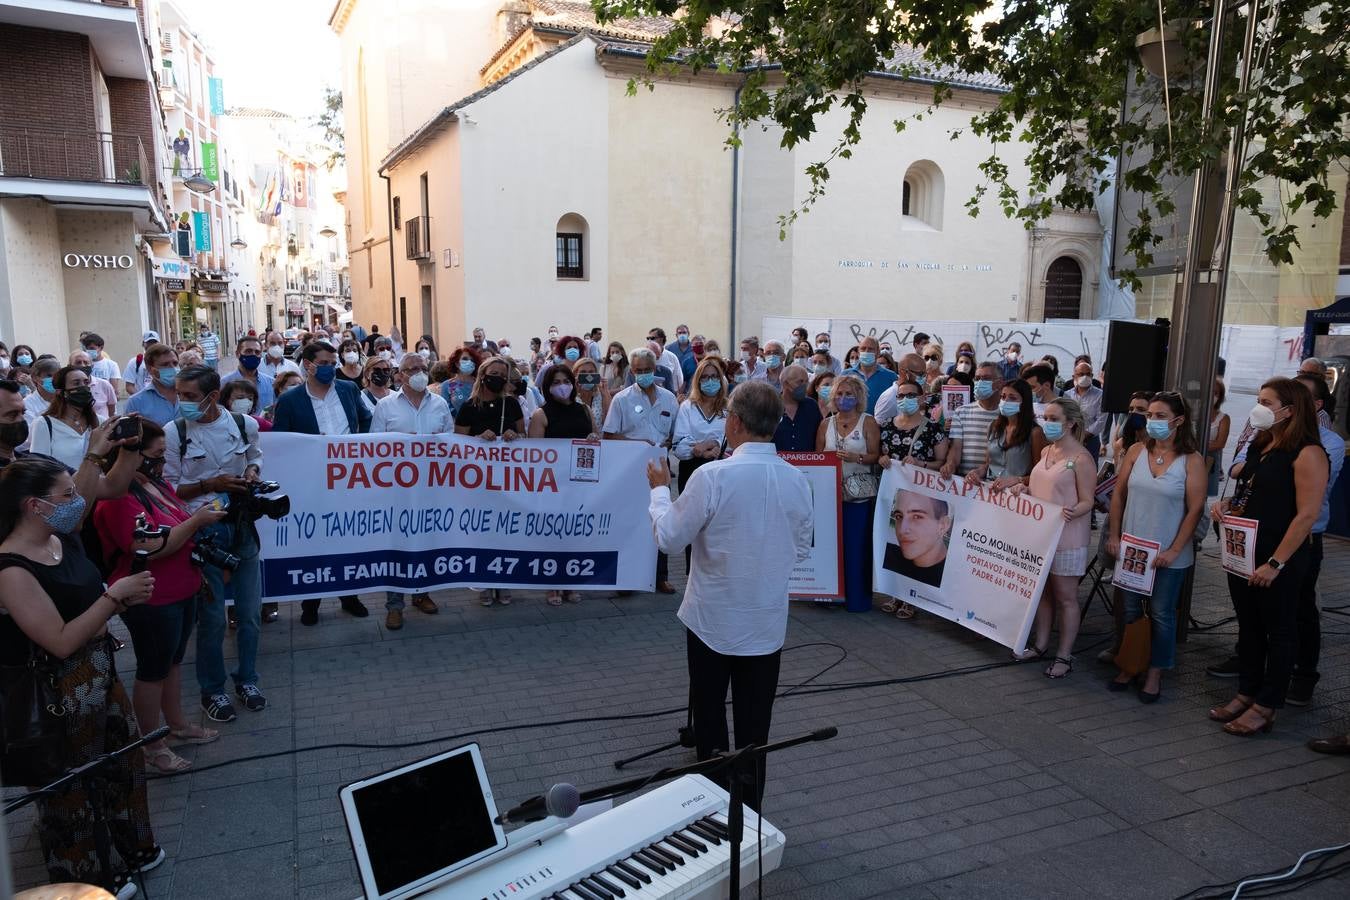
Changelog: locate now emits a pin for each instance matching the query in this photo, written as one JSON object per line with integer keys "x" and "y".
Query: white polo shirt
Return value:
{"x": 633, "y": 416}
{"x": 397, "y": 413}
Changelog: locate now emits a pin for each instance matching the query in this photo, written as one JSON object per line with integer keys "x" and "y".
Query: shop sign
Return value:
{"x": 212, "y": 287}
{"x": 210, "y": 161}
{"x": 172, "y": 268}
{"x": 201, "y": 231}
{"x": 174, "y": 284}
{"x": 98, "y": 261}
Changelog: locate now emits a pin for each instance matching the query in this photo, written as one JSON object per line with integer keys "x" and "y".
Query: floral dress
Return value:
{"x": 919, "y": 443}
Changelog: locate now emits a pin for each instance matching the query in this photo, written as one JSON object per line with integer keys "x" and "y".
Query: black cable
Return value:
{"x": 1293, "y": 882}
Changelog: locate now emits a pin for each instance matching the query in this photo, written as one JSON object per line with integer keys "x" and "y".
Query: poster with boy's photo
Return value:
{"x": 1134, "y": 564}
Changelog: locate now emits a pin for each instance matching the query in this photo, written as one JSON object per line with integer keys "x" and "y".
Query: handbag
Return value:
{"x": 861, "y": 486}
{"x": 32, "y": 721}
{"x": 1135, "y": 646}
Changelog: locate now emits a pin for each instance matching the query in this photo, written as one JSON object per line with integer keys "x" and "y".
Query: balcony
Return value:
{"x": 111, "y": 26}
{"x": 418, "y": 230}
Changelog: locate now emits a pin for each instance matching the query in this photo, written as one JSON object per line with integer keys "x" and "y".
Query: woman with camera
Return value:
{"x": 52, "y": 601}
{"x": 161, "y": 627}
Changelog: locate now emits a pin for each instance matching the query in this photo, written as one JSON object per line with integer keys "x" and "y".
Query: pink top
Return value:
{"x": 263, "y": 424}
{"x": 1058, "y": 483}
{"x": 176, "y": 578}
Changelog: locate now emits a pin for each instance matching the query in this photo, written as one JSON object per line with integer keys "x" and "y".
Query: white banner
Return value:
{"x": 407, "y": 513}
{"x": 821, "y": 575}
{"x": 967, "y": 553}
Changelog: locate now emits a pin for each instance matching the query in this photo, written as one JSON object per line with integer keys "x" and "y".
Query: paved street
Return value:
{"x": 994, "y": 784}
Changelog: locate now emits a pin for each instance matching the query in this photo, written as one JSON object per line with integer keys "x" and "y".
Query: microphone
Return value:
{"x": 561, "y": 800}
{"x": 824, "y": 734}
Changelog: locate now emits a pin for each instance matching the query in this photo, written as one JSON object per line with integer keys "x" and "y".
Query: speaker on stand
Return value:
{"x": 1136, "y": 360}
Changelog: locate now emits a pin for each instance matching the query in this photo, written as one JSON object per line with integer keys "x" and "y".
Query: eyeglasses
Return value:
{"x": 932, "y": 358}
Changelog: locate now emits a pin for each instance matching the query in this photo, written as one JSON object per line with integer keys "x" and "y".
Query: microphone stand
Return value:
{"x": 90, "y": 778}
{"x": 686, "y": 737}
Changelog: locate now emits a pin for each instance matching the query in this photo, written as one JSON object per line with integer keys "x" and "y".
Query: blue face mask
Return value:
{"x": 250, "y": 361}
{"x": 682, "y": 338}
{"x": 773, "y": 362}
{"x": 867, "y": 359}
{"x": 645, "y": 380}
{"x": 166, "y": 375}
{"x": 572, "y": 354}
{"x": 190, "y": 410}
{"x": 984, "y": 389}
{"x": 466, "y": 366}
{"x": 824, "y": 392}
{"x": 846, "y": 403}
{"x": 909, "y": 405}
{"x": 799, "y": 393}
{"x": 1135, "y": 421}
{"x": 65, "y": 517}
{"x": 47, "y": 385}
{"x": 325, "y": 374}
{"x": 740, "y": 377}
{"x": 24, "y": 359}
{"x": 1159, "y": 429}
{"x": 1009, "y": 408}
{"x": 1053, "y": 430}
{"x": 710, "y": 387}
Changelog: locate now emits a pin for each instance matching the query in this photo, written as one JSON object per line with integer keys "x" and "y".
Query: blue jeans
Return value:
{"x": 857, "y": 538}
{"x": 1162, "y": 606}
{"x": 246, "y": 589}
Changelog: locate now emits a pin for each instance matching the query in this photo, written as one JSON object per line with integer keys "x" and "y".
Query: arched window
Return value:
{"x": 570, "y": 247}
{"x": 1064, "y": 289}
{"x": 921, "y": 196}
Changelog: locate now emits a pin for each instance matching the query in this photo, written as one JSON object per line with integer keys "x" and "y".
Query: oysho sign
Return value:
{"x": 92, "y": 261}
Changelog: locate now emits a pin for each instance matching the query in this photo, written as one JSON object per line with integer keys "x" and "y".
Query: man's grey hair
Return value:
{"x": 642, "y": 354}
{"x": 768, "y": 345}
{"x": 758, "y": 406}
{"x": 1316, "y": 363}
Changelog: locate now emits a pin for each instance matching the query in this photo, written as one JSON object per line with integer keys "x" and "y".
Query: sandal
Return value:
{"x": 166, "y": 762}
{"x": 1030, "y": 653}
{"x": 906, "y": 611}
{"x": 1227, "y": 713}
{"x": 1066, "y": 661}
{"x": 488, "y": 596}
{"x": 195, "y": 734}
{"x": 572, "y": 596}
{"x": 1240, "y": 729}
{"x": 554, "y": 598}
{"x": 504, "y": 598}
{"x": 890, "y": 606}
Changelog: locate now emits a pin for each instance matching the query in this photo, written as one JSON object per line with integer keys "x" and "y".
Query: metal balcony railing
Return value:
{"x": 418, "y": 230}
{"x": 62, "y": 154}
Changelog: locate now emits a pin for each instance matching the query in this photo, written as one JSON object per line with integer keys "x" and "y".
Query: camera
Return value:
{"x": 255, "y": 504}
{"x": 207, "y": 552}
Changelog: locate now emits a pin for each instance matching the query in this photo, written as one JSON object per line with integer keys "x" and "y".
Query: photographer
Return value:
{"x": 52, "y": 596}
{"x": 160, "y": 627}
{"x": 212, "y": 457}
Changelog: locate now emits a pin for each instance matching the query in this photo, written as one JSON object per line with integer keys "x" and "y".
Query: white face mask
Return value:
{"x": 351, "y": 357}
{"x": 276, "y": 351}
{"x": 616, "y": 357}
{"x": 243, "y": 406}
{"x": 1262, "y": 417}
{"x": 1083, "y": 381}
{"x": 963, "y": 367}
{"x": 418, "y": 381}
{"x": 386, "y": 354}
{"x": 425, "y": 353}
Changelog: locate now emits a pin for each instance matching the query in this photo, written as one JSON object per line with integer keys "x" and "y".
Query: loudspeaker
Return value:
{"x": 1136, "y": 360}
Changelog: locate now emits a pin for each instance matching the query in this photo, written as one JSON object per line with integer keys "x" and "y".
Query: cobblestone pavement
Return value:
{"x": 999, "y": 783}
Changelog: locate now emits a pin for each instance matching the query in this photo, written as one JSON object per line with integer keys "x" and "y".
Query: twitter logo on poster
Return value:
{"x": 970, "y": 614}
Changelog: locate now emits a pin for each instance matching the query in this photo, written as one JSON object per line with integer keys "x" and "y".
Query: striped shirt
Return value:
{"x": 970, "y": 425}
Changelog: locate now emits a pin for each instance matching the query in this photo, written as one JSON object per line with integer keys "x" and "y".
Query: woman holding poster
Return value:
{"x": 1067, "y": 476}
{"x": 1159, "y": 497}
{"x": 1280, "y": 486}
{"x": 854, "y": 435}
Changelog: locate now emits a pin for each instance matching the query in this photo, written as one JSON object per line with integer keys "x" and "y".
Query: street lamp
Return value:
{"x": 327, "y": 231}
{"x": 239, "y": 244}
{"x": 199, "y": 183}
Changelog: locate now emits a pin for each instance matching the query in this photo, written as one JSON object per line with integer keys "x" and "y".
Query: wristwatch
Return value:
{"x": 1274, "y": 563}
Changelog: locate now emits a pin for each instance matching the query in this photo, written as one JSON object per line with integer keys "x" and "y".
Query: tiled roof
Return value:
{"x": 570, "y": 17}
{"x": 256, "y": 112}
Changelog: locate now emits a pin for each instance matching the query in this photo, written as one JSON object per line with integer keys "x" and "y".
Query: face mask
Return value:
{"x": 741, "y": 377}
{"x": 65, "y": 517}
{"x": 698, "y": 349}
{"x": 351, "y": 358}
{"x": 190, "y": 410}
{"x": 1012, "y": 357}
{"x": 152, "y": 467}
{"x": 824, "y": 392}
{"x": 166, "y": 375}
{"x": 276, "y": 351}
{"x": 379, "y": 377}
{"x": 984, "y": 389}
{"x": 324, "y": 374}
{"x": 87, "y": 370}
{"x": 572, "y": 354}
{"x": 963, "y": 367}
{"x": 867, "y": 359}
{"x": 616, "y": 357}
{"x": 682, "y": 337}
{"x": 846, "y": 403}
{"x": 562, "y": 392}
{"x": 1053, "y": 430}
{"x": 1135, "y": 421}
{"x": 251, "y": 361}
{"x": 418, "y": 381}
{"x": 425, "y": 353}
{"x": 94, "y": 352}
{"x": 820, "y": 369}
{"x": 823, "y": 346}
{"x": 710, "y": 387}
{"x": 908, "y": 405}
{"x": 14, "y": 433}
{"x": 773, "y": 361}
{"x": 1262, "y": 417}
{"x": 1009, "y": 408}
{"x": 645, "y": 380}
{"x": 24, "y": 359}
{"x": 1083, "y": 381}
{"x": 799, "y": 393}
{"x": 494, "y": 383}
{"x": 466, "y": 366}
{"x": 47, "y": 385}
{"x": 81, "y": 397}
{"x": 799, "y": 361}
{"x": 1160, "y": 429}
{"x": 243, "y": 406}
{"x": 387, "y": 355}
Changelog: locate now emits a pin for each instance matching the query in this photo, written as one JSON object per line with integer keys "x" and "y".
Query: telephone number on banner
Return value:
{"x": 422, "y": 570}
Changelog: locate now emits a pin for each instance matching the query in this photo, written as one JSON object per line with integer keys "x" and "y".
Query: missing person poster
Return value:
{"x": 1238, "y": 550}
{"x": 954, "y": 396}
{"x": 821, "y": 575}
{"x": 967, "y": 553}
{"x": 1134, "y": 564}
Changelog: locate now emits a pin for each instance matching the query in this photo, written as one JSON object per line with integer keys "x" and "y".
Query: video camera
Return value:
{"x": 207, "y": 552}
{"x": 140, "y": 559}
{"x": 254, "y": 505}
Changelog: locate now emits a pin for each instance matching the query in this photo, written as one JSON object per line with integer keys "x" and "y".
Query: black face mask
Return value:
{"x": 81, "y": 397}
{"x": 379, "y": 377}
{"x": 519, "y": 388}
{"x": 14, "y": 433}
{"x": 152, "y": 467}
{"x": 87, "y": 370}
{"x": 494, "y": 383}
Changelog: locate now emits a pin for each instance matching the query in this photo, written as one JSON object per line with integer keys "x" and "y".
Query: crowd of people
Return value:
{"x": 88, "y": 492}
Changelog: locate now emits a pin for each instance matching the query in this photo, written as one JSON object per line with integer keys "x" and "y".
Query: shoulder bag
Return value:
{"x": 32, "y": 717}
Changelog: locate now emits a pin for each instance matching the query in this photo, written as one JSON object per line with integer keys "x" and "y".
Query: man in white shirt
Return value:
{"x": 103, "y": 365}
{"x": 645, "y": 411}
{"x": 411, "y": 410}
{"x": 666, "y": 358}
{"x": 823, "y": 346}
{"x": 749, "y": 519}
{"x": 105, "y": 395}
{"x": 210, "y": 344}
{"x": 135, "y": 374}
{"x": 754, "y": 366}
{"x": 274, "y": 360}
{"x": 774, "y": 360}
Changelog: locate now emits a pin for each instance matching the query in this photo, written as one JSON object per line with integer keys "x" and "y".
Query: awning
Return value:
{"x": 335, "y": 306}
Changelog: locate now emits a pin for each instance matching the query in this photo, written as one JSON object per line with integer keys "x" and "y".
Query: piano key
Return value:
{"x": 666, "y": 855}
{"x": 633, "y": 871}
{"x": 718, "y": 826}
{"x": 687, "y": 845}
{"x": 616, "y": 872}
{"x": 651, "y": 862}
{"x": 692, "y": 837}
{"x": 703, "y": 831}
{"x": 583, "y": 892}
{"x": 596, "y": 887}
{"x": 608, "y": 885}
